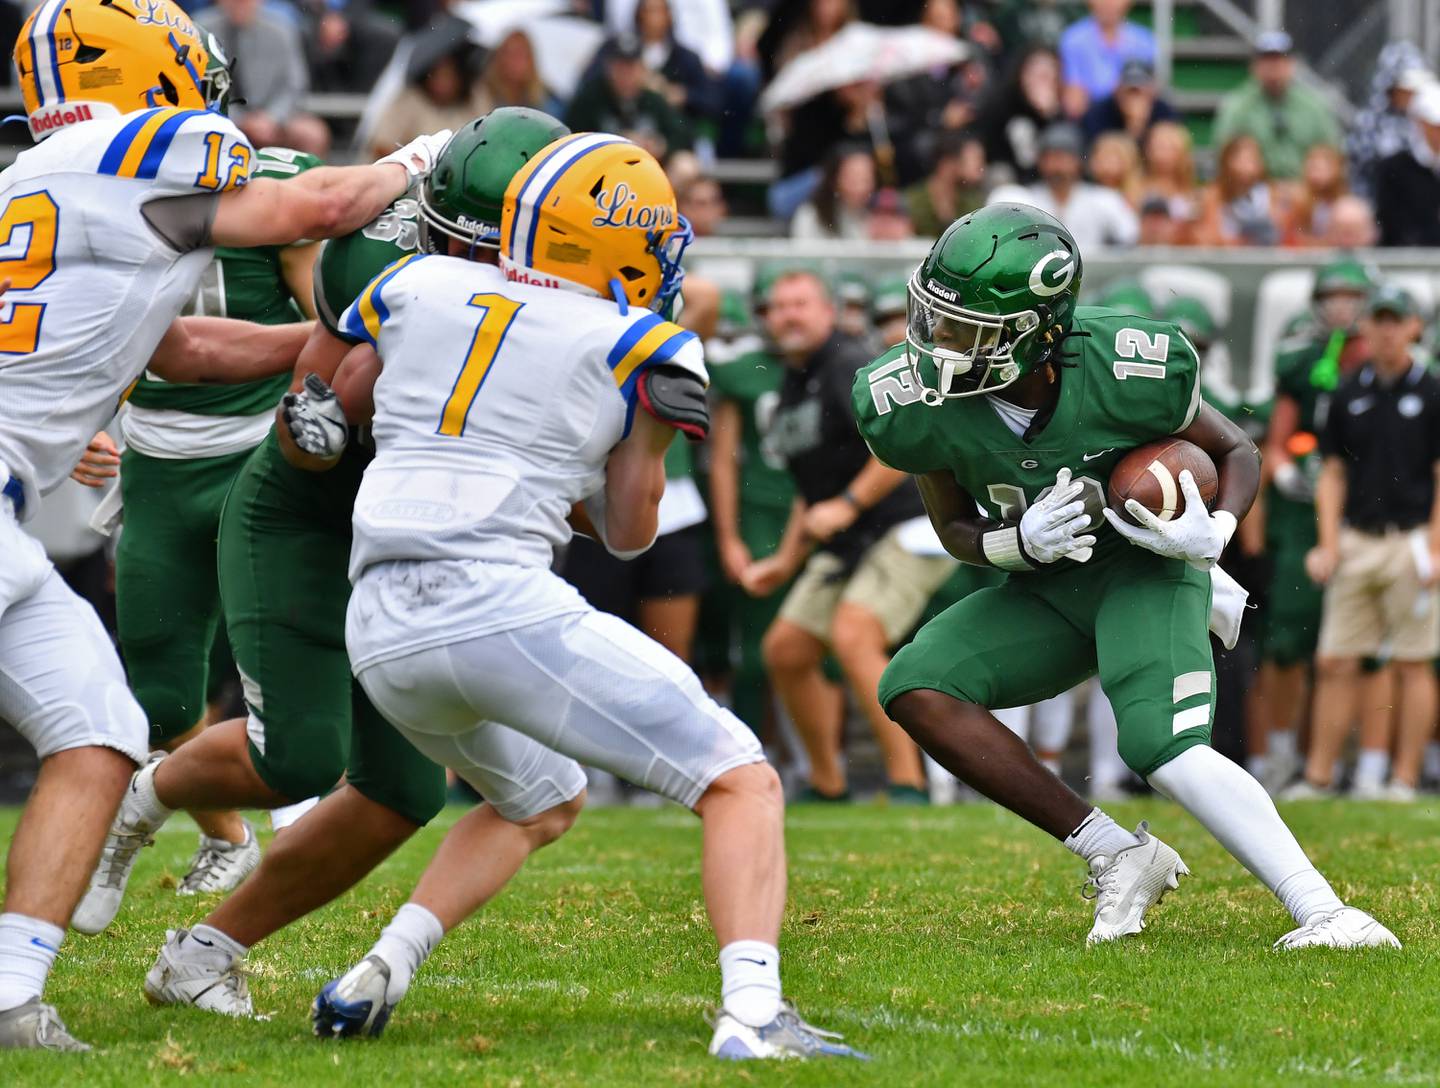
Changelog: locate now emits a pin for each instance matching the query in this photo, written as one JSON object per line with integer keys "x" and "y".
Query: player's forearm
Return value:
{"x": 957, "y": 523}
{"x": 1435, "y": 513}
{"x": 725, "y": 471}
{"x": 1239, "y": 471}
{"x": 794, "y": 545}
{"x": 1284, "y": 422}
{"x": 348, "y": 197}
{"x": 220, "y": 350}
{"x": 873, "y": 483}
{"x": 1329, "y": 503}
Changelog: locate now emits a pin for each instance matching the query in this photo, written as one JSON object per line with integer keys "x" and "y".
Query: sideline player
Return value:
{"x": 284, "y": 547}
{"x": 111, "y": 221}
{"x": 558, "y": 412}
{"x": 1011, "y": 407}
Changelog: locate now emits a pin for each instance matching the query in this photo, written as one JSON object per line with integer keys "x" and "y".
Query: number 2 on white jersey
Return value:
{"x": 37, "y": 214}
{"x": 499, "y": 314}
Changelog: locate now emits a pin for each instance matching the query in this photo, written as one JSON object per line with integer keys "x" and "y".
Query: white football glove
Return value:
{"x": 1196, "y": 535}
{"x": 419, "y": 155}
{"x": 316, "y": 419}
{"x": 1052, "y": 528}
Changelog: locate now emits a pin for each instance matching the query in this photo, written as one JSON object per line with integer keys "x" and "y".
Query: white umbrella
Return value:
{"x": 564, "y": 44}
{"x": 861, "y": 53}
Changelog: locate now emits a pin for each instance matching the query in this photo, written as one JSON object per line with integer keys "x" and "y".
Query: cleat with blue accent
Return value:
{"x": 354, "y": 1004}
{"x": 787, "y": 1036}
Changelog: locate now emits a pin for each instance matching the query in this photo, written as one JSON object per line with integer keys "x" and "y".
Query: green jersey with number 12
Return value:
{"x": 1130, "y": 380}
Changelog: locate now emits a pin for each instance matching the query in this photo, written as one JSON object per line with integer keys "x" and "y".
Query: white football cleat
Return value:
{"x": 355, "y": 1003}
{"x": 187, "y": 972}
{"x": 36, "y": 1026}
{"x": 787, "y": 1036}
{"x": 1302, "y": 789}
{"x": 1348, "y": 927}
{"x": 130, "y": 832}
{"x": 219, "y": 865}
{"x": 1125, "y": 886}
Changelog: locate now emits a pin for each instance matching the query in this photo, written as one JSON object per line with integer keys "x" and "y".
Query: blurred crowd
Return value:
{"x": 881, "y": 118}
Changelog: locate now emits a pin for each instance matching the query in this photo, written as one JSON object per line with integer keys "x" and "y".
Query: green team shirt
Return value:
{"x": 752, "y": 381}
{"x": 1135, "y": 380}
{"x": 347, "y": 265}
{"x": 241, "y": 283}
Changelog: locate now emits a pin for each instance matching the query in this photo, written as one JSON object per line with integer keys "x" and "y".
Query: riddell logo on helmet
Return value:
{"x": 941, "y": 290}
{"x": 53, "y": 119}
{"x": 516, "y": 274}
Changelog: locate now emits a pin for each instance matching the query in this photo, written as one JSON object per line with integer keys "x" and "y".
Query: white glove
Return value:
{"x": 316, "y": 419}
{"x": 1049, "y": 530}
{"x": 1293, "y": 483}
{"x": 419, "y": 155}
{"x": 1196, "y": 536}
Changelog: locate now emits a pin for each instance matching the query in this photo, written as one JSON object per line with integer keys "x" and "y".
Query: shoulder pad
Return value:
{"x": 180, "y": 151}
{"x": 675, "y": 396}
{"x": 363, "y": 318}
{"x": 651, "y": 341}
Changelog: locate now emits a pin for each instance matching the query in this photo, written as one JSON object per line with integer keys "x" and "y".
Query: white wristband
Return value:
{"x": 1001, "y": 548}
{"x": 1226, "y": 523}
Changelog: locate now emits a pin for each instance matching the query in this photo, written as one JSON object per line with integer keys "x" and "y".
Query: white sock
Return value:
{"x": 208, "y": 945}
{"x": 1258, "y": 766}
{"x": 405, "y": 944}
{"x": 1099, "y": 835}
{"x": 1235, "y": 808}
{"x": 1372, "y": 767}
{"x": 1282, "y": 742}
{"x": 28, "y": 948}
{"x": 750, "y": 981}
{"x": 142, "y": 799}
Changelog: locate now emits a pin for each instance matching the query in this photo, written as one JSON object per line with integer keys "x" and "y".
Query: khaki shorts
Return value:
{"x": 889, "y": 582}
{"x": 1374, "y": 602}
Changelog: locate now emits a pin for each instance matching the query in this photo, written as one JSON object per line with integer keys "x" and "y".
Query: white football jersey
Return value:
{"x": 94, "y": 285}
{"x": 496, "y": 410}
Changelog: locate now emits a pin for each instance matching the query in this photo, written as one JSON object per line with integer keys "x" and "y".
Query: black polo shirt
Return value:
{"x": 814, "y": 432}
{"x": 1389, "y": 438}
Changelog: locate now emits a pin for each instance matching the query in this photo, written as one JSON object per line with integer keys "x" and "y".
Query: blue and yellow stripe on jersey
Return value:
{"x": 139, "y": 148}
{"x": 650, "y": 341}
{"x": 367, "y": 313}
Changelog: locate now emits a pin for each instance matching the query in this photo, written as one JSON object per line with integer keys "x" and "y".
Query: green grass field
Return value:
{"x": 949, "y": 943}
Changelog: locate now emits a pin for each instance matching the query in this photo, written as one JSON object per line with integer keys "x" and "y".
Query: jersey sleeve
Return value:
{"x": 652, "y": 341}
{"x": 1183, "y": 369}
{"x": 880, "y": 395}
{"x": 180, "y": 152}
{"x": 366, "y": 316}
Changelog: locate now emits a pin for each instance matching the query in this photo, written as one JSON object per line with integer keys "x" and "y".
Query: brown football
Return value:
{"x": 1150, "y": 474}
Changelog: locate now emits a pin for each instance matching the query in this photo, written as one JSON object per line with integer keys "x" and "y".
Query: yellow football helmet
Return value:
{"x": 595, "y": 211}
{"x": 79, "y": 60}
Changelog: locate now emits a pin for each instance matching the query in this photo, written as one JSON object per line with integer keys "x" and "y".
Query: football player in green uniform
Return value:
{"x": 1011, "y": 406}
{"x": 1321, "y": 348}
{"x": 284, "y": 548}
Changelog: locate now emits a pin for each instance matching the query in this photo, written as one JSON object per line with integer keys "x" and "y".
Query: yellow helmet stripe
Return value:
{"x": 535, "y": 165}
{"x": 43, "y": 59}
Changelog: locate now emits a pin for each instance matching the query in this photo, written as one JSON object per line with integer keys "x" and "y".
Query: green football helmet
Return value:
{"x": 465, "y": 193}
{"x": 1128, "y": 296}
{"x": 1194, "y": 318}
{"x": 991, "y": 301}
{"x": 1339, "y": 295}
{"x": 218, "y": 83}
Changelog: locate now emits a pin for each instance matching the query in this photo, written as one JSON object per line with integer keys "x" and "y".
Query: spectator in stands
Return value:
{"x": 1035, "y": 22}
{"x": 1352, "y": 224}
{"x": 271, "y": 76}
{"x": 1407, "y": 184}
{"x": 858, "y": 591}
{"x": 1018, "y": 109}
{"x": 1241, "y": 207}
{"x": 956, "y": 185}
{"x": 1158, "y": 225}
{"x": 1322, "y": 183}
{"x": 947, "y": 98}
{"x": 1285, "y": 118}
{"x": 1168, "y": 171}
{"x": 1384, "y": 127}
{"x": 1095, "y": 215}
{"x": 888, "y": 220}
{"x": 349, "y": 43}
{"x": 442, "y": 89}
{"x": 1094, "y": 50}
{"x": 1379, "y": 552}
{"x": 1133, "y": 108}
{"x": 1115, "y": 163}
{"x": 512, "y": 78}
{"x": 618, "y": 98}
{"x": 840, "y": 207}
{"x": 702, "y": 202}
{"x": 676, "y": 72}
{"x": 785, "y": 39}
{"x": 889, "y": 311}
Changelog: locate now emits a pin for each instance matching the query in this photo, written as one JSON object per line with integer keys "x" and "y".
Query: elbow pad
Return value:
{"x": 676, "y": 397}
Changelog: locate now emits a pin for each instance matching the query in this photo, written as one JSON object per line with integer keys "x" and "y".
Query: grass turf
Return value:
{"x": 949, "y": 943}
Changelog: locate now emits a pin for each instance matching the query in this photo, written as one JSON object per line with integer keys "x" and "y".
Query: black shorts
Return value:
{"x": 673, "y": 567}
